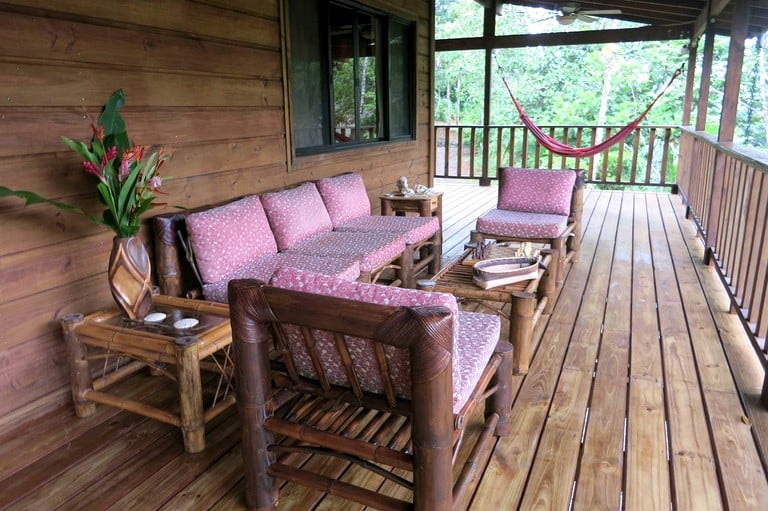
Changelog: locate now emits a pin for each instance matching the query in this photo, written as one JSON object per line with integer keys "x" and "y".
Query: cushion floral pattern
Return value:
{"x": 263, "y": 268}
{"x": 536, "y": 191}
{"x": 473, "y": 343}
{"x": 413, "y": 228}
{"x": 228, "y": 237}
{"x": 371, "y": 250}
{"x": 296, "y": 214}
{"x": 345, "y": 197}
{"x": 515, "y": 224}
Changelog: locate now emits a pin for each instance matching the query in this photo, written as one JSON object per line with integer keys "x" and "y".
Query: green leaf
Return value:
{"x": 81, "y": 148}
{"x": 33, "y": 198}
{"x": 110, "y": 118}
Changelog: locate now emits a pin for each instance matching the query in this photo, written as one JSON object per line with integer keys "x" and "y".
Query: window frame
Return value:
{"x": 409, "y": 28}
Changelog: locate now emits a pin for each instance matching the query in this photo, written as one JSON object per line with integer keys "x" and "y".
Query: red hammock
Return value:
{"x": 562, "y": 149}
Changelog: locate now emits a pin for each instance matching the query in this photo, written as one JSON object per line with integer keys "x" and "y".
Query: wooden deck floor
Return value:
{"x": 642, "y": 394}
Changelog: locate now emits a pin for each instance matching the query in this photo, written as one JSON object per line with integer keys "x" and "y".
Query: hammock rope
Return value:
{"x": 562, "y": 149}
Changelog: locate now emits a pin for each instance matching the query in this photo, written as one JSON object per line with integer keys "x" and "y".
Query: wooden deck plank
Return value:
{"x": 515, "y": 454}
{"x": 648, "y": 478}
{"x": 696, "y": 485}
{"x": 742, "y": 475}
{"x": 553, "y": 473}
{"x": 601, "y": 471}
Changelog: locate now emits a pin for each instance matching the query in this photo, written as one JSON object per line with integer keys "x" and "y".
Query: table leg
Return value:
{"x": 190, "y": 393}
{"x": 548, "y": 282}
{"x": 522, "y": 310}
{"x": 79, "y": 370}
{"x": 386, "y": 207}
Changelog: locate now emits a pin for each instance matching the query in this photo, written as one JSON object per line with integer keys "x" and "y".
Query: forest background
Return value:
{"x": 586, "y": 84}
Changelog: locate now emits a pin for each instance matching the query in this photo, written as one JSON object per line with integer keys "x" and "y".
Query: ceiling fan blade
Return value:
{"x": 585, "y": 18}
{"x": 601, "y": 12}
{"x": 566, "y": 19}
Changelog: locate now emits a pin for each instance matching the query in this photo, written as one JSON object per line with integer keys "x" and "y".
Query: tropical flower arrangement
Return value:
{"x": 127, "y": 181}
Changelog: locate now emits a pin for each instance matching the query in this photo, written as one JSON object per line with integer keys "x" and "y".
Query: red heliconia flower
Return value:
{"x": 92, "y": 169}
{"x": 98, "y": 131}
{"x": 111, "y": 153}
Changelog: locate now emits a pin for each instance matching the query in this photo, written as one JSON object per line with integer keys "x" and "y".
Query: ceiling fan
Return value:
{"x": 571, "y": 12}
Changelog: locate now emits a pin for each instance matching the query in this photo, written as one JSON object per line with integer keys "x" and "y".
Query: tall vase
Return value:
{"x": 129, "y": 276}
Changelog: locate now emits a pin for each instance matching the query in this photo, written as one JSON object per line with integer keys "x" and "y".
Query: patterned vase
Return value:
{"x": 129, "y": 276}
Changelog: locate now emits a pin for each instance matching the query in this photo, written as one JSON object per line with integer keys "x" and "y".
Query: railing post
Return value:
{"x": 713, "y": 215}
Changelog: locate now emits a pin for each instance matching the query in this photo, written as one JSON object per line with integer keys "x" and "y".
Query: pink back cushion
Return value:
{"x": 228, "y": 237}
{"x": 345, "y": 197}
{"x": 537, "y": 191}
{"x": 361, "y": 351}
{"x": 296, "y": 214}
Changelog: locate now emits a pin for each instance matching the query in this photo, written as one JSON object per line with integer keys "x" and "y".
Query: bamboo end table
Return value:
{"x": 190, "y": 335}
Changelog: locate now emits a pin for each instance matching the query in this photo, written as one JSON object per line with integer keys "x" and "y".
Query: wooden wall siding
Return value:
{"x": 203, "y": 79}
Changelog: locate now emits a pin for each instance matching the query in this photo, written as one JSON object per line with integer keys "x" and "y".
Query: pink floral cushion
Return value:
{"x": 263, "y": 268}
{"x": 475, "y": 341}
{"x": 296, "y": 214}
{"x": 515, "y": 224}
{"x": 472, "y": 348}
{"x": 228, "y": 237}
{"x": 372, "y": 250}
{"x": 345, "y": 197}
{"x": 413, "y": 228}
{"x": 536, "y": 191}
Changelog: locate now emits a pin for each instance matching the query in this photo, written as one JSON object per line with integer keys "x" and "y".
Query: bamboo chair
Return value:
{"x": 286, "y": 417}
{"x": 537, "y": 206}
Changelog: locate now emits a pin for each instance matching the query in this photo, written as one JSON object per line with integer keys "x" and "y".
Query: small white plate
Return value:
{"x": 185, "y": 323}
{"x": 155, "y": 317}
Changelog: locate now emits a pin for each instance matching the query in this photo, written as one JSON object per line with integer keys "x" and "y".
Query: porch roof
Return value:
{"x": 690, "y": 15}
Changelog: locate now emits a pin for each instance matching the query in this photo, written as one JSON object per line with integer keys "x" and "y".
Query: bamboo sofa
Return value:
{"x": 324, "y": 226}
{"x": 537, "y": 206}
{"x": 382, "y": 377}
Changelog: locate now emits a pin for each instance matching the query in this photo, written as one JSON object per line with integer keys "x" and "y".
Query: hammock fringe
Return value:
{"x": 562, "y": 149}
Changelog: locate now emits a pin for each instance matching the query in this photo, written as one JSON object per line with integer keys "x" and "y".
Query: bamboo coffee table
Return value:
{"x": 528, "y": 299}
{"x": 108, "y": 339}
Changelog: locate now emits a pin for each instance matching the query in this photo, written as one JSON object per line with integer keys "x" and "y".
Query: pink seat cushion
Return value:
{"x": 296, "y": 214}
{"x": 514, "y": 224}
{"x": 372, "y": 250}
{"x": 345, "y": 197}
{"x": 476, "y": 340}
{"x": 228, "y": 237}
{"x": 536, "y": 191}
{"x": 263, "y": 268}
{"x": 413, "y": 228}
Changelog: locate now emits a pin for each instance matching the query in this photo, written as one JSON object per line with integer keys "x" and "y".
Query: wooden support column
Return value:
{"x": 689, "y": 79}
{"x": 706, "y": 75}
{"x": 489, "y": 31}
{"x": 739, "y": 25}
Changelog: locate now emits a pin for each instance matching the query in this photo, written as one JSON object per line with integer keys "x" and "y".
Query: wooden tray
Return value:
{"x": 491, "y": 273}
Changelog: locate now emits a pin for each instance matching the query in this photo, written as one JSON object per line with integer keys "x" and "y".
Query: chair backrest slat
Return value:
{"x": 310, "y": 343}
{"x": 384, "y": 374}
{"x": 346, "y": 359}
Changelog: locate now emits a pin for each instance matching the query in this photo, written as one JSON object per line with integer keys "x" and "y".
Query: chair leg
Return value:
{"x": 407, "y": 270}
{"x": 500, "y": 402}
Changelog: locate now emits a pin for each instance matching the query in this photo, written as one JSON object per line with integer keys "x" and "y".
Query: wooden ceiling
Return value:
{"x": 690, "y": 15}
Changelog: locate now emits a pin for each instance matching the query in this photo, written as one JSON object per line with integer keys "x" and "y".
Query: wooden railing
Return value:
{"x": 725, "y": 189}
{"x": 648, "y": 157}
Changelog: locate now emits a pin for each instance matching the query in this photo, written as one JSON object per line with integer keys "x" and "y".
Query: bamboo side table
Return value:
{"x": 528, "y": 299}
{"x": 423, "y": 205}
{"x": 109, "y": 337}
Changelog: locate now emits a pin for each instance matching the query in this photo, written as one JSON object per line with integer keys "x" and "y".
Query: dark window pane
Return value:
{"x": 342, "y": 23}
{"x": 309, "y": 85}
{"x": 400, "y": 80}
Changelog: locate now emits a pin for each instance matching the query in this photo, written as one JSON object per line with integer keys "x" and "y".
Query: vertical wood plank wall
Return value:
{"x": 203, "y": 79}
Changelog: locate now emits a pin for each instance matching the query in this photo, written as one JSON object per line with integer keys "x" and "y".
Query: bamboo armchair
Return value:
{"x": 538, "y": 206}
{"x": 286, "y": 417}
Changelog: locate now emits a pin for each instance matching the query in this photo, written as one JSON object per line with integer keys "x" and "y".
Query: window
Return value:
{"x": 351, "y": 76}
